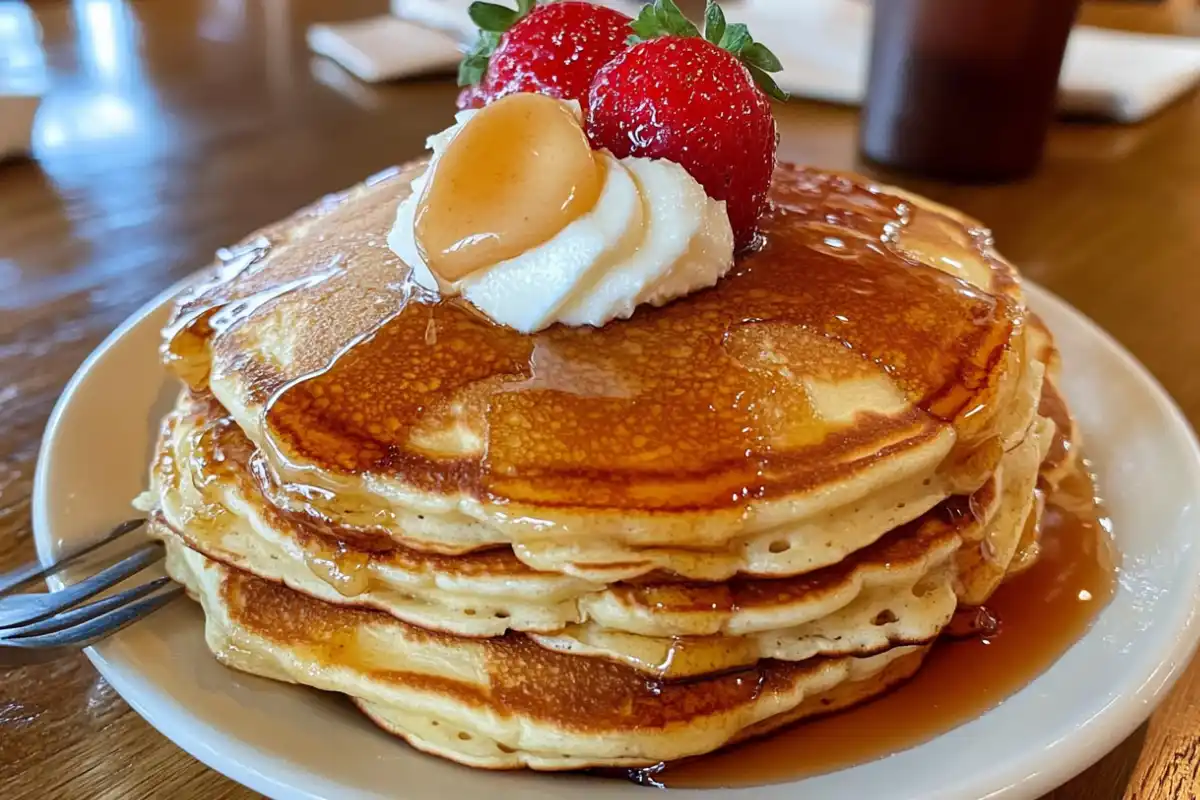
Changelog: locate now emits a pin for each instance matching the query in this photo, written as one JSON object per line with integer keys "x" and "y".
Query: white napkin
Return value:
{"x": 420, "y": 37}
{"x": 823, "y": 45}
{"x": 1126, "y": 76}
{"x": 444, "y": 15}
{"x": 384, "y": 48}
{"x": 22, "y": 78}
{"x": 451, "y": 15}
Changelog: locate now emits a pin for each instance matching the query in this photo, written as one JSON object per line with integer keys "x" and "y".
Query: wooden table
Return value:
{"x": 176, "y": 127}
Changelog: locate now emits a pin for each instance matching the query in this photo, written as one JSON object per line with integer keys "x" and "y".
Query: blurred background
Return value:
{"x": 140, "y": 117}
{"x": 138, "y": 136}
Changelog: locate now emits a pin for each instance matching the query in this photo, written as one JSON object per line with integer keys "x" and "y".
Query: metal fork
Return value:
{"x": 41, "y": 626}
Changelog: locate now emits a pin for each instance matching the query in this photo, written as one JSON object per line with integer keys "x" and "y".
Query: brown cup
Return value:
{"x": 963, "y": 89}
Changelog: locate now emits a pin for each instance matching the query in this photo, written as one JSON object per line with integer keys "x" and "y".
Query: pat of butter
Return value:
{"x": 651, "y": 235}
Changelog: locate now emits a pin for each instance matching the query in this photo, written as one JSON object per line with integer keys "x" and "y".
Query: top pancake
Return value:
{"x": 873, "y": 342}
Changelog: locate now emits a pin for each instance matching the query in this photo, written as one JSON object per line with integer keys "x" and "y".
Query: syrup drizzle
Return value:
{"x": 706, "y": 413}
{"x": 838, "y": 273}
{"x": 1025, "y": 626}
{"x": 218, "y": 454}
{"x": 711, "y": 413}
{"x": 186, "y": 338}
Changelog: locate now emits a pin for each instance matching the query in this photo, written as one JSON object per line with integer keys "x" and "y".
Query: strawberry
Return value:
{"x": 553, "y": 49}
{"x": 696, "y": 101}
{"x": 471, "y": 97}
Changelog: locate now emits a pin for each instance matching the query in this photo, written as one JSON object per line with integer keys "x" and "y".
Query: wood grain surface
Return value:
{"x": 176, "y": 127}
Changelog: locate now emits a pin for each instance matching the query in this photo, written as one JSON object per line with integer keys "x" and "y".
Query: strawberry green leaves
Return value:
{"x": 714, "y": 23}
{"x": 734, "y": 38}
{"x": 761, "y": 61}
{"x": 492, "y": 20}
{"x": 663, "y": 18}
{"x": 497, "y": 18}
{"x": 475, "y": 62}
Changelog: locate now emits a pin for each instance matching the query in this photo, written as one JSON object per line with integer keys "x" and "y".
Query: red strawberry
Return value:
{"x": 471, "y": 97}
{"x": 552, "y": 49}
{"x": 693, "y": 101}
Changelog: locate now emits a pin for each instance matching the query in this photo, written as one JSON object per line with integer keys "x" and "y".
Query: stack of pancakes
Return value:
{"x": 616, "y": 546}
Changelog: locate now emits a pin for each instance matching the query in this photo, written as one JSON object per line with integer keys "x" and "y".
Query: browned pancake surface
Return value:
{"x": 697, "y": 405}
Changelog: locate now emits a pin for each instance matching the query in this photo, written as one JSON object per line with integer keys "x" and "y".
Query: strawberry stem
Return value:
{"x": 492, "y": 20}
{"x": 663, "y": 18}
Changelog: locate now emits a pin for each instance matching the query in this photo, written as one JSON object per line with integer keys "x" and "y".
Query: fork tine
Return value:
{"x": 21, "y": 576}
{"x": 99, "y": 627}
{"x": 28, "y": 608}
{"x": 81, "y": 614}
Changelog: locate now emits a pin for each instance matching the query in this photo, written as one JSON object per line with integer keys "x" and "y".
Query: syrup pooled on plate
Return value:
{"x": 833, "y": 346}
{"x": 1034, "y": 618}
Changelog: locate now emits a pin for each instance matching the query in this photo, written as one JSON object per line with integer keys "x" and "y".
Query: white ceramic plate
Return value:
{"x": 289, "y": 742}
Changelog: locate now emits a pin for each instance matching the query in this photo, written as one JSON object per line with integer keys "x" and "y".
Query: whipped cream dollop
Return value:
{"x": 651, "y": 235}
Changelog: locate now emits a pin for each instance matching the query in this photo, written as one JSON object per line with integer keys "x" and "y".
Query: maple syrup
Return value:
{"x": 1025, "y": 626}
{"x": 516, "y": 174}
{"x": 219, "y": 453}
{"x": 346, "y": 570}
{"x": 597, "y": 417}
{"x": 677, "y": 408}
{"x": 205, "y": 451}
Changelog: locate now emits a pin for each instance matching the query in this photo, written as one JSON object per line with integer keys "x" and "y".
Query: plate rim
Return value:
{"x": 221, "y": 752}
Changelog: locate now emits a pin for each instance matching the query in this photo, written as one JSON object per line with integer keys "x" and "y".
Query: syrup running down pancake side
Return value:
{"x": 874, "y": 341}
{"x": 398, "y": 459}
{"x": 706, "y": 422}
{"x": 1030, "y": 622}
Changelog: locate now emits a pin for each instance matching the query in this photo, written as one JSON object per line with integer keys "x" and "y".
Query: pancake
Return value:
{"x": 617, "y": 546}
{"x": 983, "y": 565}
{"x": 867, "y": 362}
{"x": 1063, "y": 455}
{"x": 505, "y": 701}
{"x": 865, "y": 678}
{"x": 205, "y": 493}
{"x": 877, "y": 621}
{"x": 900, "y": 590}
